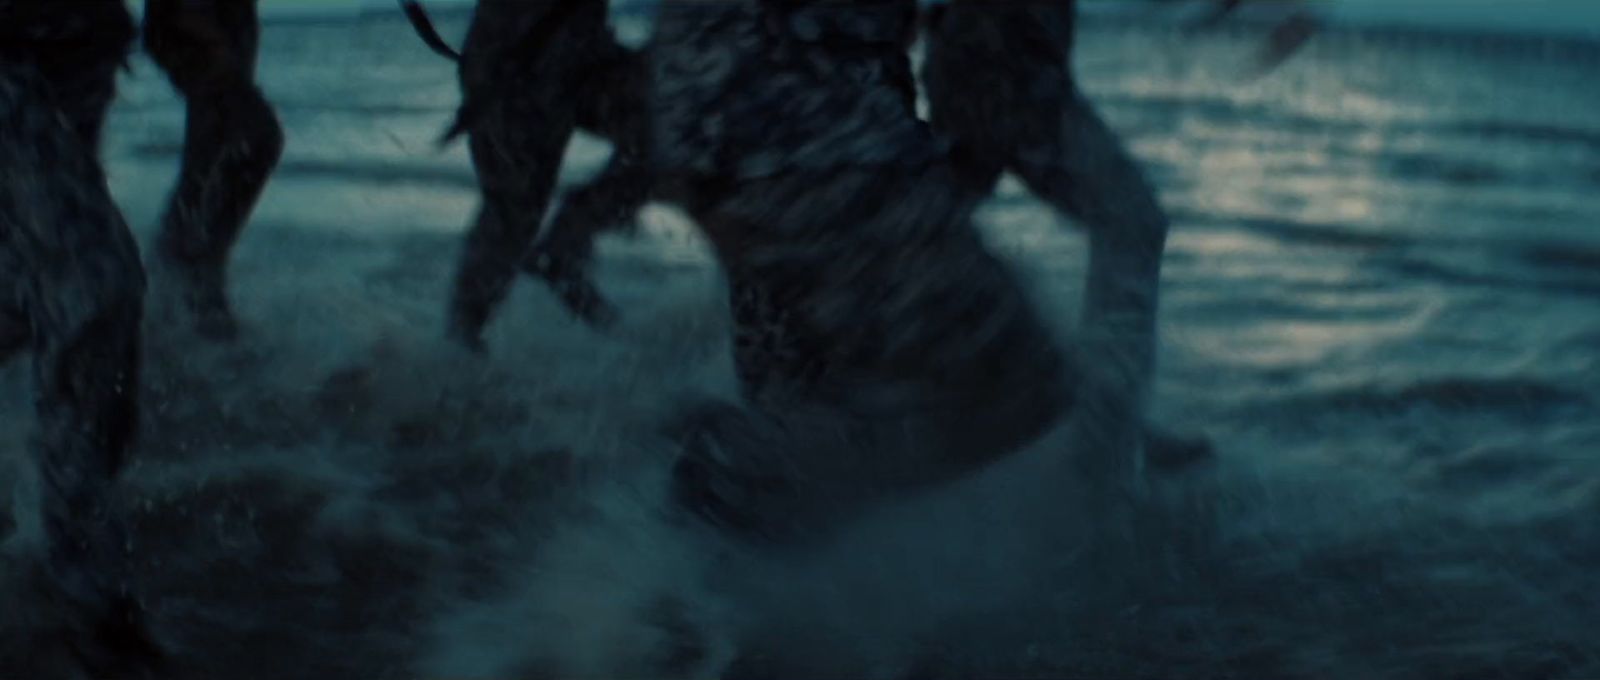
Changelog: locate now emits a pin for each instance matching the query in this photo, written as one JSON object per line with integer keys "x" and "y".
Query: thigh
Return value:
{"x": 518, "y": 158}
{"x": 76, "y": 48}
{"x": 614, "y": 96}
{"x": 202, "y": 45}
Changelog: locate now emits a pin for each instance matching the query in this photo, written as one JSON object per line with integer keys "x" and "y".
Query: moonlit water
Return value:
{"x": 1382, "y": 302}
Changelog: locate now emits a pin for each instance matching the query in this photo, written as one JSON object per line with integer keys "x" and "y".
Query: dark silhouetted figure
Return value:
{"x": 531, "y": 74}
{"x": 883, "y": 349}
{"x": 71, "y": 291}
{"x": 232, "y": 141}
{"x": 1026, "y": 115}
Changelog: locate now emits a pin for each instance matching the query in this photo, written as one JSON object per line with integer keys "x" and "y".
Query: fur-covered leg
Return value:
{"x": 74, "y": 271}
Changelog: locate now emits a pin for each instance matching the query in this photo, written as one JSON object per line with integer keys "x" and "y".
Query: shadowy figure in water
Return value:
{"x": 775, "y": 117}
{"x": 883, "y": 348}
{"x": 1026, "y": 115}
{"x": 531, "y": 74}
{"x": 232, "y": 142}
{"x": 71, "y": 291}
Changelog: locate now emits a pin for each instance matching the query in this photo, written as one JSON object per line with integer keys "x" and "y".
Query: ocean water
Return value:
{"x": 1381, "y": 303}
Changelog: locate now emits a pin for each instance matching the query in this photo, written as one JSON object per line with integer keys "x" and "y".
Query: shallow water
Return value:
{"x": 1382, "y": 303}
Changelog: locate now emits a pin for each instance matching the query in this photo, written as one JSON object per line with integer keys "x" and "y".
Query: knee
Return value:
{"x": 267, "y": 136}
{"x": 1114, "y": 202}
{"x": 247, "y": 121}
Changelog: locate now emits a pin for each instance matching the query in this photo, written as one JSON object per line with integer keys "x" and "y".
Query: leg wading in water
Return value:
{"x": 531, "y": 74}
{"x": 71, "y": 291}
{"x": 882, "y": 347}
{"x": 613, "y": 104}
{"x": 232, "y": 141}
{"x": 1026, "y": 115}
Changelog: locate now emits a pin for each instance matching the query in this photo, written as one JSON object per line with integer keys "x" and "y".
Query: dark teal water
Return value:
{"x": 1382, "y": 302}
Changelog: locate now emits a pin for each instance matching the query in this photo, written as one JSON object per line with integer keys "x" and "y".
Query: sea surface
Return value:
{"x": 1381, "y": 302}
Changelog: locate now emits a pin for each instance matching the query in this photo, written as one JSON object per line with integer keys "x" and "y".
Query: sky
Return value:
{"x": 1570, "y": 17}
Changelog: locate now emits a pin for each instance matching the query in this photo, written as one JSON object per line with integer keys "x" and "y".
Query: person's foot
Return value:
{"x": 568, "y": 278}
{"x": 213, "y": 318}
{"x": 465, "y": 333}
{"x": 201, "y": 291}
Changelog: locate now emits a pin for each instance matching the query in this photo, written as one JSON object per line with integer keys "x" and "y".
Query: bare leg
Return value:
{"x": 74, "y": 268}
{"x": 563, "y": 256}
{"x": 1088, "y": 174}
{"x": 613, "y": 104}
{"x": 520, "y": 111}
{"x": 517, "y": 164}
{"x": 232, "y": 142}
{"x": 1068, "y": 157}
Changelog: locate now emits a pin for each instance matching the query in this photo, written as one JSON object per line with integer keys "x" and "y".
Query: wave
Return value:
{"x": 1303, "y": 232}
{"x": 353, "y": 171}
{"x": 1452, "y": 394}
{"x": 1563, "y": 256}
{"x": 1439, "y": 271}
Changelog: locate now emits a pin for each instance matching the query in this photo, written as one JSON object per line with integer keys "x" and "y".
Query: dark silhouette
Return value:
{"x": 71, "y": 291}
{"x": 232, "y": 142}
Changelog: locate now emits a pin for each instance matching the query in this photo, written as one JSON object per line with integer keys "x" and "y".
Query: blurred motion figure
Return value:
{"x": 532, "y": 73}
{"x": 71, "y": 291}
{"x": 881, "y": 347}
{"x": 232, "y": 141}
{"x": 1026, "y": 115}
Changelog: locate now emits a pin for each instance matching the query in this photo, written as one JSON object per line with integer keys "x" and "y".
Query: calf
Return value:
{"x": 232, "y": 141}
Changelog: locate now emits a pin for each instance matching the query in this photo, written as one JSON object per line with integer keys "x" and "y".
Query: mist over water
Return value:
{"x": 1381, "y": 301}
